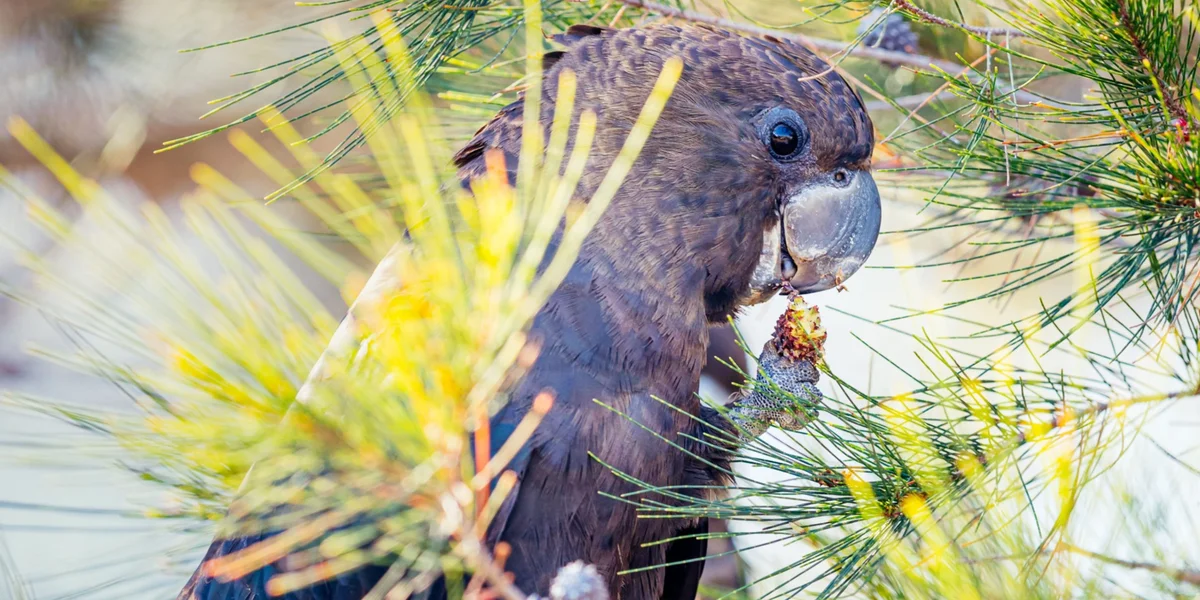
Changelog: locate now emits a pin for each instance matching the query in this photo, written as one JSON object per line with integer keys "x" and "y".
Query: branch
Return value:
{"x": 817, "y": 45}
{"x": 486, "y": 566}
{"x": 1063, "y": 418}
{"x": 1181, "y": 575}
{"x": 914, "y": 101}
{"x": 927, "y": 17}
{"x": 1176, "y": 108}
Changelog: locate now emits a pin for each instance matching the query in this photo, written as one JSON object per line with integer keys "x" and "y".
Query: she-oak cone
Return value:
{"x": 799, "y": 335}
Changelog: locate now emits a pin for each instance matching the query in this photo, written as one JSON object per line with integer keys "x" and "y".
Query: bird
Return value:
{"x": 754, "y": 182}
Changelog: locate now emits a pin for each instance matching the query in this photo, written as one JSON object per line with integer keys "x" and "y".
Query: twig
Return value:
{"x": 1175, "y": 107}
{"x": 1180, "y": 575}
{"x": 916, "y": 61}
{"x": 928, "y": 17}
{"x": 1061, "y": 419}
{"x": 916, "y": 100}
{"x": 485, "y": 565}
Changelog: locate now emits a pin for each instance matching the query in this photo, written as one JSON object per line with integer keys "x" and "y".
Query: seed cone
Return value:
{"x": 799, "y": 335}
{"x": 894, "y": 33}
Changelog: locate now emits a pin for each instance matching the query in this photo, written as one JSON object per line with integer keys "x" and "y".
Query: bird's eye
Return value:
{"x": 783, "y": 132}
{"x": 784, "y": 140}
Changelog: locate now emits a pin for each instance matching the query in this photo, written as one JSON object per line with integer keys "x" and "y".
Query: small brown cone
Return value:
{"x": 799, "y": 335}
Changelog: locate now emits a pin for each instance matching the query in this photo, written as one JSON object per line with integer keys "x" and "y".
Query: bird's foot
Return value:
{"x": 784, "y": 395}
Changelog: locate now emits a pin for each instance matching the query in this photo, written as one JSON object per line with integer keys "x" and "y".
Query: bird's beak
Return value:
{"x": 830, "y": 231}
{"x": 825, "y": 233}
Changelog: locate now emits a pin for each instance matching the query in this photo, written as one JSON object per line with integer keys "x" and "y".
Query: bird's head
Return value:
{"x": 757, "y": 172}
{"x": 756, "y": 176}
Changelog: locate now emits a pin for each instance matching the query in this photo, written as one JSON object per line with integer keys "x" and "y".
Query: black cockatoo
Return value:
{"x": 756, "y": 178}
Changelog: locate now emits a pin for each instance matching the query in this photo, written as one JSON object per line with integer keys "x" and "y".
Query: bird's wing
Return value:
{"x": 502, "y": 132}
{"x": 501, "y": 430}
{"x": 347, "y": 586}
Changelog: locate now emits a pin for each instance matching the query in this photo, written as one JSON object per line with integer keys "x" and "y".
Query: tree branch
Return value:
{"x": 927, "y": 17}
{"x": 1181, "y": 575}
{"x": 1175, "y": 107}
{"x": 914, "y": 101}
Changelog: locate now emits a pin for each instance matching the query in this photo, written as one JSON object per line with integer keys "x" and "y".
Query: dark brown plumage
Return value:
{"x": 756, "y": 128}
{"x": 673, "y": 255}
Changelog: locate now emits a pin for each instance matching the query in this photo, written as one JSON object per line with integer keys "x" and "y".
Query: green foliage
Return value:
{"x": 11, "y": 581}
{"x": 1124, "y": 152}
{"x": 1100, "y": 189}
{"x": 966, "y": 486}
{"x": 454, "y": 38}
{"x": 897, "y": 495}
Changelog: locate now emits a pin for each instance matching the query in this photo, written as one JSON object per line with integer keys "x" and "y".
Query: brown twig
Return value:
{"x": 1174, "y": 106}
{"x": 927, "y": 17}
{"x": 488, "y": 567}
{"x": 1181, "y": 575}
{"x": 819, "y": 45}
{"x": 483, "y": 445}
{"x": 915, "y": 100}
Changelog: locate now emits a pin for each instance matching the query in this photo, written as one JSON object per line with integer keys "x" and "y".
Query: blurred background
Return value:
{"x": 104, "y": 83}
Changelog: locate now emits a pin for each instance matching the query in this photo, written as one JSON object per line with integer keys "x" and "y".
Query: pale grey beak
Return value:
{"x": 830, "y": 231}
{"x": 826, "y": 233}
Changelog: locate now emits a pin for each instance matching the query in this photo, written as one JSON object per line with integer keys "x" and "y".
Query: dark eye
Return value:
{"x": 783, "y": 132}
{"x": 785, "y": 140}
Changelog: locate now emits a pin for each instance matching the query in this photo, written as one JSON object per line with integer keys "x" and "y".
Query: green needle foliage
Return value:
{"x": 1120, "y": 162}
{"x": 439, "y": 34}
{"x": 966, "y": 486}
{"x": 919, "y": 494}
{"x": 929, "y": 493}
{"x": 255, "y": 408}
